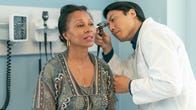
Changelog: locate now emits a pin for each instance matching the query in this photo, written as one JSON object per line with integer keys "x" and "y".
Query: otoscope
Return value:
{"x": 100, "y": 27}
{"x": 45, "y": 18}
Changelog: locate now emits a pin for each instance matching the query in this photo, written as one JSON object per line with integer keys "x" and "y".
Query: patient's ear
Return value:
{"x": 65, "y": 36}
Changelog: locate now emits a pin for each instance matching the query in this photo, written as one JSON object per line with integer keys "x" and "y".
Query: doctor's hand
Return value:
{"x": 121, "y": 83}
{"x": 104, "y": 41}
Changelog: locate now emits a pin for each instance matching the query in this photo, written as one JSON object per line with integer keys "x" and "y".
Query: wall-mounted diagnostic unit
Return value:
{"x": 18, "y": 28}
{"x": 17, "y": 32}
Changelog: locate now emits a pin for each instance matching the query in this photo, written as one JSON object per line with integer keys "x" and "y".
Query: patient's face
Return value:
{"x": 80, "y": 29}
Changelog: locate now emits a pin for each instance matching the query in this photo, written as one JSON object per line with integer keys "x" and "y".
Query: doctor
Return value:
{"x": 158, "y": 75}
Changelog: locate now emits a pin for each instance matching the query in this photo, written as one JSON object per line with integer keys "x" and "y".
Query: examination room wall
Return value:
{"x": 191, "y": 32}
{"x": 181, "y": 18}
{"x": 24, "y": 70}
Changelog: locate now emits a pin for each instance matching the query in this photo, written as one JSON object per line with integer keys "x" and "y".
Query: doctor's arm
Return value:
{"x": 121, "y": 84}
{"x": 163, "y": 78}
{"x": 117, "y": 65}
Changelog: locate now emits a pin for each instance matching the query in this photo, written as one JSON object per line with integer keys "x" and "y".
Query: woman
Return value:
{"x": 75, "y": 79}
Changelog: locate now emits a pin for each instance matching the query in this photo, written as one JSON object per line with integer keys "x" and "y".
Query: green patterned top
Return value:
{"x": 58, "y": 90}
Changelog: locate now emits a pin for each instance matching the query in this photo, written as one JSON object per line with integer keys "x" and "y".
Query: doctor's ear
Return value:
{"x": 132, "y": 12}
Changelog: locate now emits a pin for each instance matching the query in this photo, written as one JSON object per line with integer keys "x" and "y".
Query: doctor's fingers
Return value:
{"x": 117, "y": 75}
{"x": 121, "y": 84}
{"x": 116, "y": 86}
{"x": 120, "y": 80}
{"x": 99, "y": 40}
{"x": 117, "y": 81}
{"x": 104, "y": 35}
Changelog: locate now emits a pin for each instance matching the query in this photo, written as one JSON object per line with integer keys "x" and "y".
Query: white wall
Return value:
{"x": 176, "y": 17}
{"x": 191, "y": 32}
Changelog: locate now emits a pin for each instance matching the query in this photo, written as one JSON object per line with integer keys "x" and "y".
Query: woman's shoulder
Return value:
{"x": 103, "y": 66}
{"x": 52, "y": 67}
{"x": 53, "y": 62}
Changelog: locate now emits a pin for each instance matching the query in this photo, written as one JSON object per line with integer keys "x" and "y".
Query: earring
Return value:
{"x": 68, "y": 43}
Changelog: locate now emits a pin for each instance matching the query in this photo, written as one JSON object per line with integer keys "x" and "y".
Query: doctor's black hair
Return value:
{"x": 125, "y": 6}
{"x": 64, "y": 18}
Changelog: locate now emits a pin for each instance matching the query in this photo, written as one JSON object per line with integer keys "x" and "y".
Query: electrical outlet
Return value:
{"x": 18, "y": 28}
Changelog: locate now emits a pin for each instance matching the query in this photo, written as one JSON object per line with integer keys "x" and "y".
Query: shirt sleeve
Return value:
{"x": 108, "y": 56}
{"x": 123, "y": 67}
{"x": 160, "y": 66}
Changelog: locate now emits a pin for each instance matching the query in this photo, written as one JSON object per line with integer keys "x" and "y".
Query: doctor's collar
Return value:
{"x": 134, "y": 40}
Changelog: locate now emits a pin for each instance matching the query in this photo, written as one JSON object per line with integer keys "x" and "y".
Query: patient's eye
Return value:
{"x": 80, "y": 25}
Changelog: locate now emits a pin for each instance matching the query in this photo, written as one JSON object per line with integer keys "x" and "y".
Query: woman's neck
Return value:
{"x": 78, "y": 55}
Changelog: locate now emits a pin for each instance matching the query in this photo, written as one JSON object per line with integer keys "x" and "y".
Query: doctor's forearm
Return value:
{"x": 154, "y": 90}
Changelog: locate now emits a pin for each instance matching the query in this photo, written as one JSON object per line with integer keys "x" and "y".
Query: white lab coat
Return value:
{"x": 160, "y": 69}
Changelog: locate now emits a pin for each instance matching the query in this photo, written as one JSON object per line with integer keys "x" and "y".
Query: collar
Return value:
{"x": 134, "y": 40}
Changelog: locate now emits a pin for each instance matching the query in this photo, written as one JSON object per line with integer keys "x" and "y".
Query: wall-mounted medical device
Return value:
{"x": 52, "y": 30}
{"x": 17, "y": 32}
{"x": 18, "y": 28}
